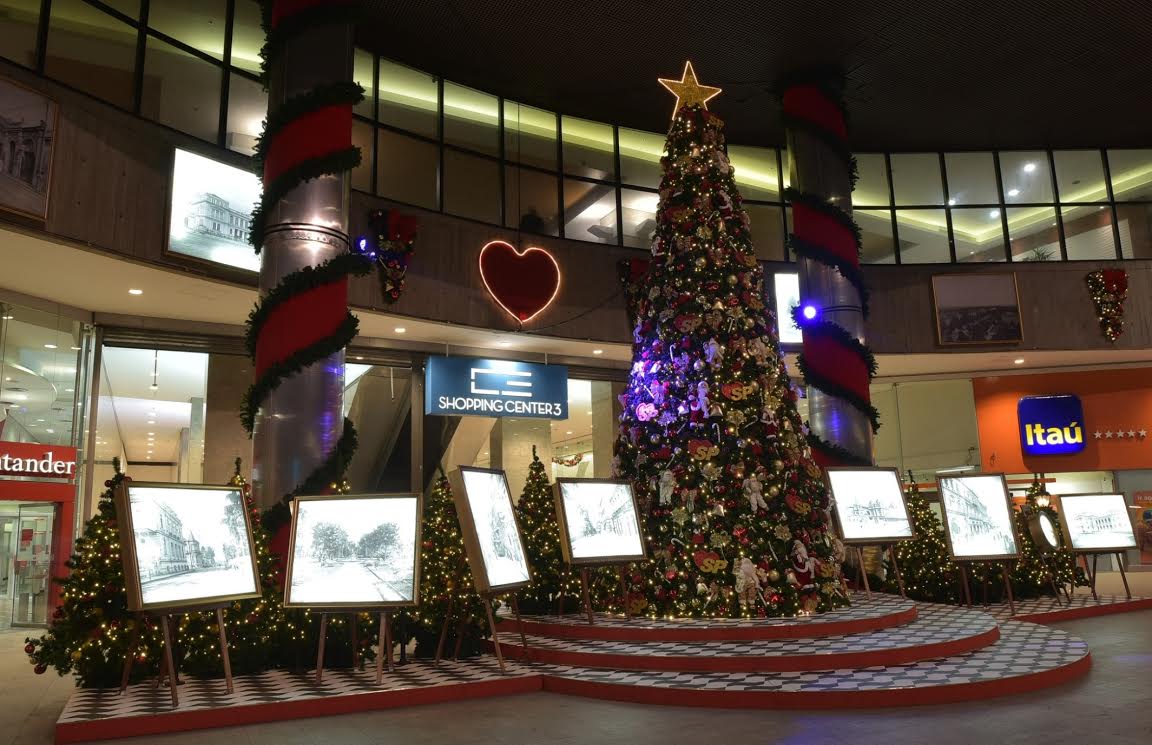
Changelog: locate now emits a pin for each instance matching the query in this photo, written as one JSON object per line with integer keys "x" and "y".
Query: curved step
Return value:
{"x": 865, "y": 614}
{"x": 939, "y": 631}
{"x": 1027, "y": 657}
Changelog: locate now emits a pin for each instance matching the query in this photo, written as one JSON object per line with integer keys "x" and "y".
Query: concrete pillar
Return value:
{"x": 224, "y": 437}
{"x": 512, "y": 441}
{"x": 604, "y": 419}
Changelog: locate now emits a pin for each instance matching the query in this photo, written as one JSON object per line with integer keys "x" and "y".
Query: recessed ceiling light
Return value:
{"x": 69, "y": 390}
{"x": 994, "y": 214}
{"x": 970, "y": 253}
{"x": 151, "y": 433}
{"x": 1029, "y": 167}
{"x": 951, "y": 202}
{"x": 151, "y": 421}
{"x": 568, "y": 432}
{"x": 505, "y": 343}
{"x": 589, "y": 412}
{"x": 597, "y": 351}
{"x": 49, "y": 346}
{"x": 149, "y": 457}
{"x": 75, "y": 349}
{"x": 135, "y": 291}
{"x": 153, "y": 386}
{"x": 400, "y": 330}
{"x": 1018, "y": 361}
{"x": 39, "y": 420}
{"x": 9, "y": 380}
{"x": 50, "y": 431}
{"x": 1013, "y": 192}
{"x": 359, "y": 357}
{"x": 8, "y": 318}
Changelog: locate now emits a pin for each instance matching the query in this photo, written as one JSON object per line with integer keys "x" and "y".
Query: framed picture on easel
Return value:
{"x": 491, "y": 533}
{"x": 977, "y": 513}
{"x": 869, "y": 505}
{"x": 599, "y": 522}
{"x": 1098, "y": 524}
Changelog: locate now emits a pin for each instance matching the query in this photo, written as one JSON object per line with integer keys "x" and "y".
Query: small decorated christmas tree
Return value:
{"x": 1035, "y": 572}
{"x": 554, "y": 583}
{"x": 446, "y": 589}
{"x": 928, "y": 571}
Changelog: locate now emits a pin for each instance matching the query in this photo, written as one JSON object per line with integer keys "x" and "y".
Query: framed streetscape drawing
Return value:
{"x": 185, "y": 546}
{"x": 28, "y": 123}
{"x": 1097, "y": 522}
{"x": 869, "y": 505}
{"x": 599, "y": 521}
{"x": 354, "y": 551}
{"x": 977, "y": 514}
{"x": 979, "y": 308}
{"x": 492, "y": 539}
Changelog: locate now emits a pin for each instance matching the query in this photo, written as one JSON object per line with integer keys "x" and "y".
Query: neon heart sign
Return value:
{"x": 523, "y": 283}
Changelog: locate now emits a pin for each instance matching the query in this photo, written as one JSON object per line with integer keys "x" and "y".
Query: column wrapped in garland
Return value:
{"x": 836, "y": 364}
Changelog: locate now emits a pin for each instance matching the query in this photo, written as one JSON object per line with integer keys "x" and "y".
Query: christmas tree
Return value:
{"x": 553, "y": 581}
{"x": 710, "y": 435}
{"x": 928, "y": 571}
{"x": 446, "y": 589}
{"x": 1035, "y": 572}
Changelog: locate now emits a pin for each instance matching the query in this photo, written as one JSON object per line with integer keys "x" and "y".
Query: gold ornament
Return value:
{"x": 688, "y": 90}
{"x": 773, "y": 575}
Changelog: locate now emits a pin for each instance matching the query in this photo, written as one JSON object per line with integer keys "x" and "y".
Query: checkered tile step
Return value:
{"x": 865, "y": 613}
{"x": 1082, "y": 604}
{"x": 937, "y": 630}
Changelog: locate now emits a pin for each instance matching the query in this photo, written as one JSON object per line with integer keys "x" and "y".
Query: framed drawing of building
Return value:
{"x": 491, "y": 534}
{"x": 1096, "y": 523}
{"x": 869, "y": 505}
{"x": 977, "y": 308}
{"x": 28, "y": 122}
{"x": 210, "y": 212}
{"x": 354, "y": 551}
{"x": 185, "y": 546}
{"x": 599, "y": 521}
{"x": 977, "y": 512}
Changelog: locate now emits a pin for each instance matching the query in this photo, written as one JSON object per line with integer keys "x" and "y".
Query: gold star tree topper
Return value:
{"x": 688, "y": 91}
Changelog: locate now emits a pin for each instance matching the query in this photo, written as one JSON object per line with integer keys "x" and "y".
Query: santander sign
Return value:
{"x": 38, "y": 461}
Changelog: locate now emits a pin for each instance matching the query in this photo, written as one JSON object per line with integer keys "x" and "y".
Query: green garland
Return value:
{"x": 829, "y": 81}
{"x": 836, "y": 452}
{"x": 826, "y": 208}
{"x": 306, "y": 170}
{"x": 833, "y": 388}
{"x": 835, "y": 331}
{"x": 320, "y": 97}
{"x": 308, "y": 278}
{"x": 847, "y": 269}
{"x": 275, "y": 38}
{"x": 330, "y": 471}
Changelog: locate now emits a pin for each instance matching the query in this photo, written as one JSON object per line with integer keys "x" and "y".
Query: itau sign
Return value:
{"x": 37, "y": 461}
{"x": 1051, "y": 425}
{"x": 466, "y": 386}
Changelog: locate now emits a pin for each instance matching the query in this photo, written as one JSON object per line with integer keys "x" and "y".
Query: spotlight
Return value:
{"x": 808, "y": 312}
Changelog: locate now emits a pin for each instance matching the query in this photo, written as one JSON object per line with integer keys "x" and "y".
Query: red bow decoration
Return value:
{"x": 395, "y": 235}
{"x": 1109, "y": 289}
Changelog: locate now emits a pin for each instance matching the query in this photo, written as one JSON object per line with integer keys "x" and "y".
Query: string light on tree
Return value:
{"x": 553, "y": 581}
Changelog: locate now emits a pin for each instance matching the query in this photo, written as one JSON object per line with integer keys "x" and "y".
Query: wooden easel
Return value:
{"x": 967, "y": 591}
{"x": 1091, "y": 572}
{"x": 864, "y": 572}
{"x": 586, "y": 584}
{"x": 488, "y": 599}
{"x": 385, "y": 637}
{"x": 167, "y": 661}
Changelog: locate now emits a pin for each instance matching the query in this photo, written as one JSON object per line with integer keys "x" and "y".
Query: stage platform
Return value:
{"x": 905, "y": 654}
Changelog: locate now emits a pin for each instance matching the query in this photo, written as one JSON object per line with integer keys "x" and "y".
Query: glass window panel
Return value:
{"x": 640, "y": 157}
{"x": 1088, "y": 233}
{"x": 876, "y": 246}
{"x": 408, "y": 99}
{"x": 923, "y": 237}
{"x": 529, "y": 135}
{"x": 916, "y": 179}
{"x": 978, "y": 233}
{"x": 18, "y": 23}
{"x": 200, "y": 25}
{"x": 247, "y": 36}
{"x": 406, "y": 169}
{"x": 471, "y": 119}
{"x": 247, "y": 107}
{"x": 787, "y": 168}
{"x": 589, "y": 211}
{"x": 181, "y": 90}
{"x": 1131, "y": 172}
{"x": 971, "y": 178}
{"x": 639, "y": 216}
{"x": 767, "y": 231}
{"x": 130, "y": 8}
{"x": 1026, "y": 177}
{"x": 1080, "y": 176}
{"x": 362, "y": 72}
{"x": 757, "y": 176}
{"x": 1034, "y": 234}
{"x": 362, "y": 137}
{"x": 588, "y": 149}
{"x": 531, "y": 204}
{"x": 1135, "y": 223}
{"x": 91, "y": 51}
{"x": 471, "y": 186}
{"x": 872, "y": 184}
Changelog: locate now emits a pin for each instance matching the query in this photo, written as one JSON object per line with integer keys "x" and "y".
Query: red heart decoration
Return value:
{"x": 523, "y": 283}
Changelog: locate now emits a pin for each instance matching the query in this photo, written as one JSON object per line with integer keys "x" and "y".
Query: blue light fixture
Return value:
{"x": 808, "y": 312}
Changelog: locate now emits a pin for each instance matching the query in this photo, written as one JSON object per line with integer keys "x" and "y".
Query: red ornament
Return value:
{"x": 40, "y": 669}
{"x": 523, "y": 283}
{"x": 29, "y": 648}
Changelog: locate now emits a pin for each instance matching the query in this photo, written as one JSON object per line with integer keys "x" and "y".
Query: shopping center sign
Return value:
{"x": 37, "y": 461}
{"x": 1051, "y": 425}
{"x": 465, "y": 386}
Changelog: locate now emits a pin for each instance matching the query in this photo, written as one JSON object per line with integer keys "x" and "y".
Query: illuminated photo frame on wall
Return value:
{"x": 492, "y": 540}
{"x": 599, "y": 522}
{"x": 1096, "y": 523}
{"x": 209, "y": 211}
{"x": 869, "y": 505}
{"x": 357, "y": 551}
{"x": 977, "y": 308}
{"x": 977, "y": 516}
{"x": 185, "y": 546}
{"x": 31, "y": 121}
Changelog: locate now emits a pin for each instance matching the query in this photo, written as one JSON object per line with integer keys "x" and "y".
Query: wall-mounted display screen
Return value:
{"x": 211, "y": 211}
{"x": 787, "y": 292}
{"x": 1097, "y": 522}
{"x": 599, "y": 521}
{"x": 355, "y": 551}
{"x": 185, "y": 546}
{"x": 978, "y": 517}
{"x": 869, "y": 504}
{"x": 495, "y": 549}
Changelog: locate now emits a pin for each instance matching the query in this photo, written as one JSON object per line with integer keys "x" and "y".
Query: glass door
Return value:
{"x": 32, "y": 564}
